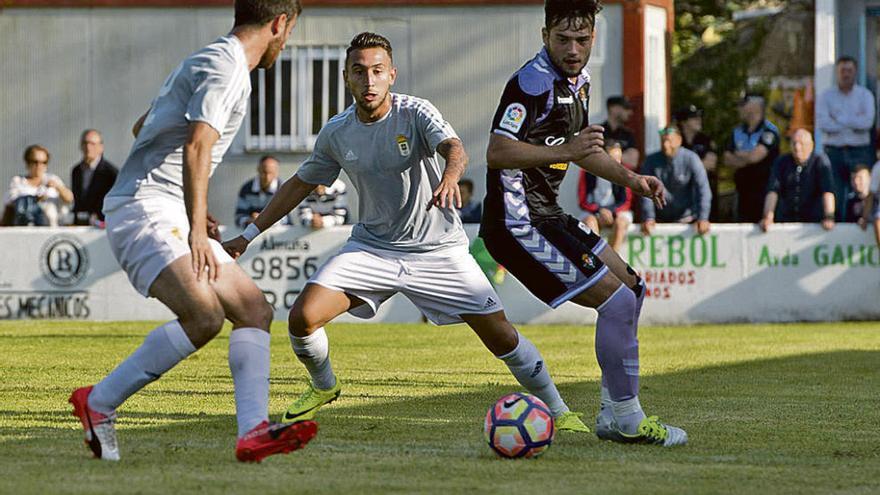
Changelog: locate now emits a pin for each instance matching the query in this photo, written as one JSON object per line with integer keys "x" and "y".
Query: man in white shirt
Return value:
{"x": 157, "y": 225}
{"x": 845, "y": 116}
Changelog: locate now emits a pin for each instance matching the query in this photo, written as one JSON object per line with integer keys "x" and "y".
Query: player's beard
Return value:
{"x": 371, "y": 106}
{"x": 563, "y": 67}
{"x": 271, "y": 54}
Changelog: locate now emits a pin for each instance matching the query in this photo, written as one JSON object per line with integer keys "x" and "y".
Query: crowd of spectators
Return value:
{"x": 837, "y": 184}
{"x": 40, "y": 199}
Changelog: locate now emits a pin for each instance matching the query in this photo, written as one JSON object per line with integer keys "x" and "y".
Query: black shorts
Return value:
{"x": 555, "y": 259}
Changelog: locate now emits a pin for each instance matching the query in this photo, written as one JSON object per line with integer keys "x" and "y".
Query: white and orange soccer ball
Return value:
{"x": 519, "y": 425}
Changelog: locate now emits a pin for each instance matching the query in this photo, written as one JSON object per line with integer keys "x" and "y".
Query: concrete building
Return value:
{"x": 70, "y": 65}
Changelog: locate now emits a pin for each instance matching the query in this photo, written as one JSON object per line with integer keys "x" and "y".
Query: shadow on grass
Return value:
{"x": 804, "y": 422}
{"x": 799, "y": 389}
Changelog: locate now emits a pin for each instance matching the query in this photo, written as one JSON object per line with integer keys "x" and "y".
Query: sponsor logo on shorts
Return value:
{"x": 514, "y": 116}
{"x": 64, "y": 261}
{"x": 350, "y": 156}
{"x": 565, "y": 100}
{"x": 176, "y": 233}
{"x": 403, "y": 145}
{"x": 489, "y": 303}
{"x": 768, "y": 138}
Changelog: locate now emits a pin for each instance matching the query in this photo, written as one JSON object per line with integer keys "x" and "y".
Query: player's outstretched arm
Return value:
{"x": 507, "y": 153}
{"x": 447, "y": 192}
{"x": 288, "y": 197}
{"x": 196, "y": 172}
{"x": 602, "y": 165}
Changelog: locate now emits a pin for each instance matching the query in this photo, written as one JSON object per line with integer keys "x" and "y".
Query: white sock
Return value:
{"x": 162, "y": 349}
{"x": 527, "y": 365}
{"x": 249, "y": 363}
{"x": 628, "y": 415}
{"x": 314, "y": 352}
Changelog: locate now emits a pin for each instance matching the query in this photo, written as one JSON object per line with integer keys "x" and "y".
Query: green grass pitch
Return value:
{"x": 769, "y": 409}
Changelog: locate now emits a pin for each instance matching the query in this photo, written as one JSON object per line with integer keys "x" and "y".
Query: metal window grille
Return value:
{"x": 292, "y": 101}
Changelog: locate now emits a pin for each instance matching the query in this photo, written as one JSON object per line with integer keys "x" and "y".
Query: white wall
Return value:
{"x": 734, "y": 274}
{"x": 70, "y": 69}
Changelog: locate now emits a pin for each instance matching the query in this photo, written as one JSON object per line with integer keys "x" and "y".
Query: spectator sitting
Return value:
{"x": 845, "y": 115}
{"x": 38, "y": 198}
{"x": 688, "y": 195}
{"x": 858, "y": 208}
{"x": 801, "y": 186}
{"x": 471, "y": 211}
{"x": 91, "y": 179}
{"x": 256, "y": 193}
{"x": 619, "y": 112}
{"x": 752, "y": 149}
{"x": 325, "y": 206}
{"x": 608, "y": 205}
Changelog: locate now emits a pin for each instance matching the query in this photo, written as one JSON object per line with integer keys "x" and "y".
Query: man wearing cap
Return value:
{"x": 688, "y": 195}
{"x": 619, "y": 112}
{"x": 690, "y": 122}
{"x": 751, "y": 151}
{"x": 845, "y": 115}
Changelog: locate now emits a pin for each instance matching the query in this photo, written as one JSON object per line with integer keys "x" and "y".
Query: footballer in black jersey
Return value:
{"x": 541, "y": 127}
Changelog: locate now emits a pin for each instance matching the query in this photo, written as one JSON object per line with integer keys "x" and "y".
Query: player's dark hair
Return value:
{"x": 30, "y": 150}
{"x": 844, "y": 59}
{"x": 571, "y": 14}
{"x": 259, "y": 12}
{"x": 466, "y": 183}
{"x": 268, "y": 157}
{"x": 369, "y": 40}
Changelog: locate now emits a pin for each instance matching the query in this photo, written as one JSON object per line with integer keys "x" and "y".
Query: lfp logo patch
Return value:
{"x": 403, "y": 145}
{"x": 513, "y": 119}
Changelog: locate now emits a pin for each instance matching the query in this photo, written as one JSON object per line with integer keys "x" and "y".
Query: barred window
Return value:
{"x": 292, "y": 101}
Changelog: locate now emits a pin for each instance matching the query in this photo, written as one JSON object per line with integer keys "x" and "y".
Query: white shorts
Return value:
{"x": 147, "y": 235}
{"x": 444, "y": 285}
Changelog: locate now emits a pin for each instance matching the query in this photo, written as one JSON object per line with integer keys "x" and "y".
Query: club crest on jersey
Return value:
{"x": 584, "y": 96}
{"x": 588, "y": 261}
{"x": 514, "y": 116}
{"x": 403, "y": 145}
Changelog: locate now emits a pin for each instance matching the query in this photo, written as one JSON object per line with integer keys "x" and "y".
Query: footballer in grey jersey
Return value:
{"x": 393, "y": 164}
{"x": 409, "y": 241}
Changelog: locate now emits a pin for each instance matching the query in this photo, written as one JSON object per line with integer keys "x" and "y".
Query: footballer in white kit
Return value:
{"x": 156, "y": 217}
{"x": 409, "y": 239}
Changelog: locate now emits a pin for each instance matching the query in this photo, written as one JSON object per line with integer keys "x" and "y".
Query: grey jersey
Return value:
{"x": 393, "y": 164}
{"x": 212, "y": 86}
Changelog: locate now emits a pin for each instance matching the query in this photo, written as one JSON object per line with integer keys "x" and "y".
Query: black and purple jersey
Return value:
{"x": 539, "y": 106}
{"x": 524, "y": 228}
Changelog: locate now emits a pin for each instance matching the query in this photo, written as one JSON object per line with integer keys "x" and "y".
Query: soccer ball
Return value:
{"x": 519, "y": 425}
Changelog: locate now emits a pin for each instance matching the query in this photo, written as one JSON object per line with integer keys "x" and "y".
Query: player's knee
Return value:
{"x": 204, "y": 326}
{"x": 621, "y": 304}
{"x": 259, "y": 314}
{"x": 265, "y": 314}
{"x": 303, "y": 321}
